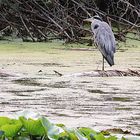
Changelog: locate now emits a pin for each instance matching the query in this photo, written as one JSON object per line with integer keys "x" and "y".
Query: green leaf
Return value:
{"x": 79, "y": 135}
{"x": 60, "y": 125}
{"x": 70, "y": 133}
{"x": 53, "y": 132}
{"x": 111, "y": 138}
{"x": 1, "y": 133}
{"x": 23, "y": 138}
{"x": 123, "y": 138}
{"x": 11, "y": 129}
{"x": 4, "y": 120}
{"x": 87, "y": 132}
{"x": 33, "y": 127}
{"x": 99, "y": 137}
{"x": 105, "y": 132}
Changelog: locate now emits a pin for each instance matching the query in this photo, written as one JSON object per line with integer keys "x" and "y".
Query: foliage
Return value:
{"x": 42, "y": 20}
{"x": 26, "y": 128}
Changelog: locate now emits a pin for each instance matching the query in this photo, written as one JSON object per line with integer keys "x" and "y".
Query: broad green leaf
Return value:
{"x": 4, "y": 120}
{"x": 99, "y": 137}
{"x": 72, "y": 136}
{"x": 33, "y": 127}
{"x": 111, "y": 138}
{"x": 64, "y": 136}
{"x": 53, "y": 132}
{"x": 26, "y": 128}
{"x": 105, "y": 132}
{"x": 87, "y": 132}
{"x": 11, "y": 129}
{"x": 71, "y": 133}
{"x": 79, "y": 135}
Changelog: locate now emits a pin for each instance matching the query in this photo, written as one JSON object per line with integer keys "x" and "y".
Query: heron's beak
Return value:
{"x": 88, "y": 20}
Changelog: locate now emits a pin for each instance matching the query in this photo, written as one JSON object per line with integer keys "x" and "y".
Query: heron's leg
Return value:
{"x": 103, "y": 65}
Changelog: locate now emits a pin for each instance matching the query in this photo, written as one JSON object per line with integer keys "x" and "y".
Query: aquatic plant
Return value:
{"x": 29, "y": 126}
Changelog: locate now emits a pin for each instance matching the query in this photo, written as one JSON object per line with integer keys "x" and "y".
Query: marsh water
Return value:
{"x": 97, "y": 102}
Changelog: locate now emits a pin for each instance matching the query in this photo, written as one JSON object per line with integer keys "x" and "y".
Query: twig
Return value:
{"x": 26, "y": 27}
{"x": 59, "y": 74}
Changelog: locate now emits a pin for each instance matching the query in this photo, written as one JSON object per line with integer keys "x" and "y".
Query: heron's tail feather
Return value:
{"x": 110, "y": 60}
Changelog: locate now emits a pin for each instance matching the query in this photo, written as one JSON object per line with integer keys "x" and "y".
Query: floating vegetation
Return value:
{"x": 31, "y": 126}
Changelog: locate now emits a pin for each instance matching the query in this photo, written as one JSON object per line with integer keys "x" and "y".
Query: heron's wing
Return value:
{"x": 105, "y": 41}
{"x": 112, "y": 37}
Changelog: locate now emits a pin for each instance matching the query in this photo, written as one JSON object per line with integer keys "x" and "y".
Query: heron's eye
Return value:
{"x": 96, "y": 26}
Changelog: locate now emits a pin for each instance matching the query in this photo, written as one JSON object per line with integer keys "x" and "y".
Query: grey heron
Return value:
{"x": 103, "y": 38}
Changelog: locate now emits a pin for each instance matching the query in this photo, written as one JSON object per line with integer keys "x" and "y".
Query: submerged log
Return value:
{"x": 95, "y": 73}
{"x": 107, "y": 73}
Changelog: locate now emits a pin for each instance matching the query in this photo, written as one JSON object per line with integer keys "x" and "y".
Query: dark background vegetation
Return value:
{"x": 43, "y": 20}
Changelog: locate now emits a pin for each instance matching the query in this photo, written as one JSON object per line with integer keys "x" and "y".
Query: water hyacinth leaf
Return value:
{"x": 111, "y": 138}
{"x": 33, "y": 127}
{"x": 102, "y": 137}
{"x": 105, "y": 132}
{"x": 4, "y": 120}
{"x": 64, "y": 136}
{"x": 73, "y": 136}
{"x": 70, "y": 133}
{"x": 53, "y": 132}
{"x": 87, "y": 132}
{"x": 79, "y": 135}
{"x": 99, "y": 137}
{"x": 42, "y": 129}
{"x": 11, "y": 129}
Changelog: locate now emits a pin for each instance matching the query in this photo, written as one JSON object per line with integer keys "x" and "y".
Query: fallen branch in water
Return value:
{"x": 95, "y": 73}
{"x": 100, "y": 73}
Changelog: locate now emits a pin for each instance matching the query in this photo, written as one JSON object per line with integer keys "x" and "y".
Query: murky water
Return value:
{"x": 97, "y": 102}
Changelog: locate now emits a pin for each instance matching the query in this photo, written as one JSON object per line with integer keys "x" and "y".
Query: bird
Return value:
{"x": 103, "y": 38}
